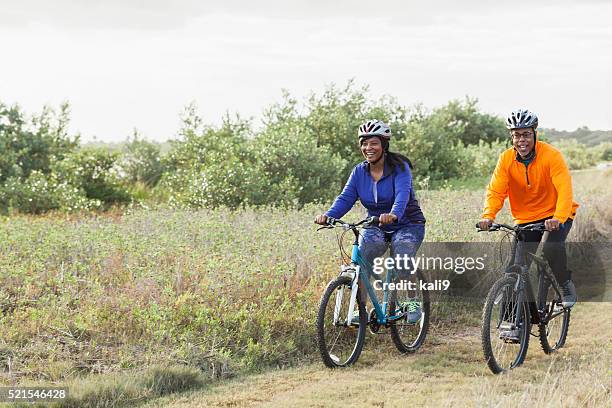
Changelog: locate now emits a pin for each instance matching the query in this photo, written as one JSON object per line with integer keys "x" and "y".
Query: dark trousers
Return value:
{"x": 554, "y": 249}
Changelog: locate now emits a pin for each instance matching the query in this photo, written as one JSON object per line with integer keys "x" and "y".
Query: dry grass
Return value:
{"x": 451, "y": 373}
{"x": 224, "y": 294}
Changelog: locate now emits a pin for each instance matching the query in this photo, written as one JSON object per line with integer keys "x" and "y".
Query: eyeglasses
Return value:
{"x": 523, "y": 136}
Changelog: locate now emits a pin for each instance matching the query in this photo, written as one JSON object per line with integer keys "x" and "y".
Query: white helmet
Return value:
{"x": 374, "y": 127}
{"x": 522, "y": 119}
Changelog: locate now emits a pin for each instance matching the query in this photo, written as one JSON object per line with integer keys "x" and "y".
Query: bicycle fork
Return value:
{"x": 512, "y": 322}
{"x": 353, "y": 273}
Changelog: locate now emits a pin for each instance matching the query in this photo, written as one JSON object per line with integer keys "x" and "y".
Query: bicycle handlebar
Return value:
{"x": 370, "y": 221}
{"x": 537, "y": 226}
{"x": 333, "y": 223}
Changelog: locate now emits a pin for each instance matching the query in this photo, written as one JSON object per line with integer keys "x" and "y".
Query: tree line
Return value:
{"x": 302, "y": 152}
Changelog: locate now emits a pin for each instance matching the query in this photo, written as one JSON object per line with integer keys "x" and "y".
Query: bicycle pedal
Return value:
{"x": 510, "y": 336}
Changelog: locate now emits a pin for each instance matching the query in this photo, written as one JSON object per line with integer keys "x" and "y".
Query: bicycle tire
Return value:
{"x": 554, "y": 333}
{"x": 354, "y": 336}
{"x": 501, "y": 294}
{"x": 408, "y": 338}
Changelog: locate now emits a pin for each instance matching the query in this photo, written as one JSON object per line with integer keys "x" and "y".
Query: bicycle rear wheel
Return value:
{"x": 554, "y": 332}
{"x": 505, "y": 344}
{"x": 409, "y": 336}
{"x": 340, "y": 341}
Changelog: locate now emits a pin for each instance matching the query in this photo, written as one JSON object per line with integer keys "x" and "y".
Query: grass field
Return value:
{"x": 128, "y": 307}
{"x": 449, "y": 371}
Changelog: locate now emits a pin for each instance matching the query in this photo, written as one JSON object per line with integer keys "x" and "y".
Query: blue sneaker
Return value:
{"x": 412, "y": 308}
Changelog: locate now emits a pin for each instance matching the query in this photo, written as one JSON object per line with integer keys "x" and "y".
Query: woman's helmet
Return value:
{"x": 522, "y": 119}
{"x": 374, "y": 127}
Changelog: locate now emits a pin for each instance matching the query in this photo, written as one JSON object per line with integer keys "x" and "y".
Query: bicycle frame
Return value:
{"x": 360, "y": 270}
{"x": 524, "y": 287}
{"x": 511, "y": 310}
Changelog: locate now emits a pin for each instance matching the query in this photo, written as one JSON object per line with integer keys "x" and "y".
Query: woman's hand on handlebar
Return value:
{"x": 321, "y": 219}
{"x": 387, "y": 219}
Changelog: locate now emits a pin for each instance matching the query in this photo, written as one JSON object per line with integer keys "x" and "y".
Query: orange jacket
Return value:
{"x": 541, "y": 190}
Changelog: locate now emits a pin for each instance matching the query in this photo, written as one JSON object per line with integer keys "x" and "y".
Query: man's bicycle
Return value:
{"x": 511, "y": 308}
{"x": 342, "y": 316}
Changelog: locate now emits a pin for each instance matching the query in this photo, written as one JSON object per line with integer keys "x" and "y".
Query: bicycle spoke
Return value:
{"x": 554, "y": 331}
{"x": 339, "y": 343}
{"x": 504, "y": 336}
{"x": 409, "y": 331}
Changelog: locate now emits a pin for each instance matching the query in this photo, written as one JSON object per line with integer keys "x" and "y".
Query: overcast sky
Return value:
{"x": 125, "y": 64}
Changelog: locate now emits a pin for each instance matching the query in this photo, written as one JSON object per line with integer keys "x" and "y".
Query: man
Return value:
{"x": 535, "y": 178}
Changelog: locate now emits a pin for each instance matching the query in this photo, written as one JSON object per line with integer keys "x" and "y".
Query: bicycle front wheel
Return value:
{"x": 408, "y": 332}
{"x": 505, "y": 338}
{"x": 554, "y": 332}
{"x": 340, "y": 337}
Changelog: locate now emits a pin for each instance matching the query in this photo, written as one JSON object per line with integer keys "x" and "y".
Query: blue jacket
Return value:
{"x": 393, "y": 193}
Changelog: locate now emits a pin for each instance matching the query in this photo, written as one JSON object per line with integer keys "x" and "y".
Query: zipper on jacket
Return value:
{"x": 526, "y": 163}
{"x": 375, "y": 191}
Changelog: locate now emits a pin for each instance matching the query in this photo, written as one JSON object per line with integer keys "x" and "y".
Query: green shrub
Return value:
{"x": 431, "y": 147}
{"x": 479, "y": 160}
{"x": 468, "y": 123}
{"x": 140, "y": 162}
{"x": 32, "y": 145}
{"x": 604, "y": 151}
{"x": 291, "y": 158}
{"x": 84, "y": 180}
{"x": 231, "y": 167}
{"x": 303, "y": 153}
{"x": 92, "y": 170}
{"x": 332, "y": 119}
{"x": 211, "y": 167}
{"x": 40, "y": 193}
{"x": 577, "y": 155}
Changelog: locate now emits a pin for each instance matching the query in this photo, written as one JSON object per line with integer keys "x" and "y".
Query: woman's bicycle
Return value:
{"x": 511, "y": 307}
{"x": 342, "y": 316}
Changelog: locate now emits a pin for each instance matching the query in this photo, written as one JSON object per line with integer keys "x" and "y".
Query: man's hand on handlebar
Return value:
{"x": 485, "y": 224}
{"x": 552, "y": 224}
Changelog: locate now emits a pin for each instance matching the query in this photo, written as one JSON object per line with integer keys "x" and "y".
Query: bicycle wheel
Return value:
{"x": 554, "y": 332}
{"x": 340, "y": 342}
{"x": 504, "y": 344}
{"x": 409, "y": 336}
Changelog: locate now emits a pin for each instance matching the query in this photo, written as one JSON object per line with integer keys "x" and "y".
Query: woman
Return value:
{"x": 383, "y": 184}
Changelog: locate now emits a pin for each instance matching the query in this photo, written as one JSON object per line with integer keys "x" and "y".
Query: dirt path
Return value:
{"x": 449, "y": 371}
